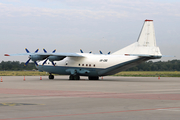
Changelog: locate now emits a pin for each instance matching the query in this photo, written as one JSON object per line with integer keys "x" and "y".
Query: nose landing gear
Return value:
{"x": 51, "y": 76}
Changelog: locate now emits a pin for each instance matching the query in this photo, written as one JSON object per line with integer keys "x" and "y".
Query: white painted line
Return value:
{"x": 161, "y": 90}
{"x": 174, "y": 109}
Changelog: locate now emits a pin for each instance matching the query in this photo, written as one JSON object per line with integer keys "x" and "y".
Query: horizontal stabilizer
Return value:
{"x": 144, "y": 55}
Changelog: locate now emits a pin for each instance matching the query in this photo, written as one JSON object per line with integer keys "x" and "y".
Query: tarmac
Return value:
{"x": 110, "y": 98}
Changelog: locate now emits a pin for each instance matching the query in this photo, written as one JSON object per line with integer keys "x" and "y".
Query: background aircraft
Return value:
{"x": 95, "y": 65}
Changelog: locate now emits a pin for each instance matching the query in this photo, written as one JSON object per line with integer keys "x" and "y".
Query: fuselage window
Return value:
{"x": 66, "y": 63}
{"x": 86, "y": 64}
{"x": 79, "y": 64}
{"x": 94, "y": 65}
{"x": 89, "y": 65}
{"x": 82, "y": 64}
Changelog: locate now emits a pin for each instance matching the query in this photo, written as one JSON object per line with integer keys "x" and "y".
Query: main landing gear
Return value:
{"x": 51, "y": 76}
{"x": 74, "y": 77}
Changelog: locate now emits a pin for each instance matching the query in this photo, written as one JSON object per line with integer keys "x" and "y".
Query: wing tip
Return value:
{"x": 6, "y": 55}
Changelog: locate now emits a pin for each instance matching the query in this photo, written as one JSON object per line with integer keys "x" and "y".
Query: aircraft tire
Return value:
{"x": 71, "y": 77}
{"x": 93, "y": 77}
{"x": 74, "y": 77}
{"x": 51, "y": 77}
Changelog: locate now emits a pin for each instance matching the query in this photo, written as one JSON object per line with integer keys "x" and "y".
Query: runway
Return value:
{"x": 115, "y": 98}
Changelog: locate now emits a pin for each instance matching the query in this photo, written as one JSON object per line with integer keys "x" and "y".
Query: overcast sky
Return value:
{"x": 90, "y": 25}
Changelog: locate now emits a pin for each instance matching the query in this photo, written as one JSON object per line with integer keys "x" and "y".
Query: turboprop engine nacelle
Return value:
{"x": 37, "y": 57}
{"x": 55, "y": 58}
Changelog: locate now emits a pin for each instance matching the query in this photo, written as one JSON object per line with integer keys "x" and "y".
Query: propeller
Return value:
{"x": 47, "y": 58}
{"x": 107, "y": 53}
{"x": 83, "y": 52}
{"x": 30, "y": 57}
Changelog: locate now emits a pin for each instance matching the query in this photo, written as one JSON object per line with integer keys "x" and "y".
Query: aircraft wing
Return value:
{"x": 48, "y": 54}
{"x": 45, "y": 56}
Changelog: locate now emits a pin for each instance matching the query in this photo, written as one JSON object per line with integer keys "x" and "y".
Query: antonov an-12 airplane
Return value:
{"x": 95, "y": 65}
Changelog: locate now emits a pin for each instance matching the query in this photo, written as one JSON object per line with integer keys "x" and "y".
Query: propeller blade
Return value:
{"x": 27, "y": 62}
{"x": 53, "y": 63}
{"x": 81, "y": 51}
{"x": 44, "y": 50}
{"x": 36, "y": 51}
{"x": 45, "y": 61}
{"x": 100, "y": 52}
{"x": 36, "y": 63}
{"x": 27, "y": 50}
{"x": 109, "y": 52}
{"x": 54, "y": 51}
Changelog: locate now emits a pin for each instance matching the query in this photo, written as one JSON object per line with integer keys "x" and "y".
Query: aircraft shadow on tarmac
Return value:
{"x": 120, "y": 79}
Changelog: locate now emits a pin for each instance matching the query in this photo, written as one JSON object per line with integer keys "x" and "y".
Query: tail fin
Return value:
{"x": 147, "y": 35}
{"x": 146, "y": 44}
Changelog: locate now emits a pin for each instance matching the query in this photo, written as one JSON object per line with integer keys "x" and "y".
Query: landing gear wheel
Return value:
{"x": 71, "y": 77}
{"x": 74, "y": 77}
{"x": 51, "y": 77}
{"x": 93, "y": 77}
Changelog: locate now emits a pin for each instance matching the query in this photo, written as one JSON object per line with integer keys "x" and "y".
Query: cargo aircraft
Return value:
{"x": 96, "y": 65}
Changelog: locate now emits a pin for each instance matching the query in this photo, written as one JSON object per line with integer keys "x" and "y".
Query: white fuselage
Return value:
{"x": 95, "y": 64}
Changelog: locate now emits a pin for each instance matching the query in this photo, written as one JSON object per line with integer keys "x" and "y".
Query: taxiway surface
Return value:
{"x": 110, "y": 98}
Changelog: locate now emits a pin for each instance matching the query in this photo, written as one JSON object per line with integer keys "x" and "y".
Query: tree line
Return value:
{"x": 16, "y": 66}
{"x": 173, "y": 65}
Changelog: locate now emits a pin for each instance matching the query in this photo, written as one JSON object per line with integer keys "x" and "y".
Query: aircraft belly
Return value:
{"x": 52, "y": 69}
{"x": 63, "y": 70}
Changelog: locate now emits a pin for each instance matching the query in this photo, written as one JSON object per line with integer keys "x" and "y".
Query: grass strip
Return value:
{"x": 23, "y": 73}
{"x": 149, "y": 73}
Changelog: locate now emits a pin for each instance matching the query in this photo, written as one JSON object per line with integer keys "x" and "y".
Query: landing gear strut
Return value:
{"x": 51, "y": 76}
{"x": 74, "y": 77}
